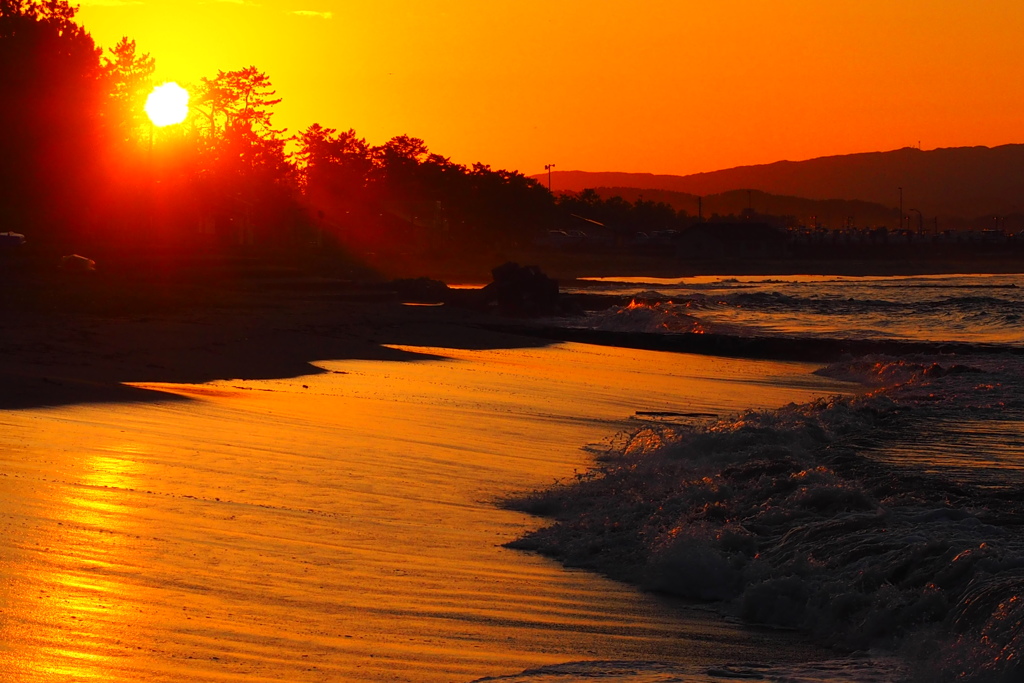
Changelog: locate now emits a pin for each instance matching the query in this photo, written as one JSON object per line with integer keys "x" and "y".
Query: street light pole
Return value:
{"x": 920, "y": 222}
{"x": 548, "y": 167}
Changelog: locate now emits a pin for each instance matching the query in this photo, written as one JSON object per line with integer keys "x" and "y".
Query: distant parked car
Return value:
{"x": 11, "y": 239}
{"x": 76, "y": 263}
{"x": 563, "y": 238}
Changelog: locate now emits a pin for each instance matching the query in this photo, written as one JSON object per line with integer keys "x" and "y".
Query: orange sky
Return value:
{"x": 663, "y": 86}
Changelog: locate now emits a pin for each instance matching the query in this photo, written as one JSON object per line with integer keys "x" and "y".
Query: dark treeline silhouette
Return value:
{"x": 52, "y": 90}
{"x": 83, "y": 169}
{"x": 622, "y": 216}
{"x": 401, "y": 194}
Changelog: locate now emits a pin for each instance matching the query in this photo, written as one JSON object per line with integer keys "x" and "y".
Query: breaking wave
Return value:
{"x": 891, "y": 519}
{"x": 976, "y": 309}
{"x": 648, "y": 316}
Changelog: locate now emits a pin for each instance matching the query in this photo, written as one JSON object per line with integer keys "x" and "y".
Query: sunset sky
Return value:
{"x": 661, "y": 86}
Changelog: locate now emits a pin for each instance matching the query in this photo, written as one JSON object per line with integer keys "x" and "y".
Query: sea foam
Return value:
{"x": 805, "y": 517}
{"x": 961, "y": 308}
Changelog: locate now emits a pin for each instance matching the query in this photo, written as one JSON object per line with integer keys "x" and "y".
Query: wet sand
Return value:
{"x": 186, "y": 497}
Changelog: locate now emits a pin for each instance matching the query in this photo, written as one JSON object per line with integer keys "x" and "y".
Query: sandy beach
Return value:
{"x": 302, "y": 488}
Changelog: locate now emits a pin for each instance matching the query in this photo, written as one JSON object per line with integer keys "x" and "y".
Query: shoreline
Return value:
{"x": 365, "y": 476}
{"x": 74, "y": 340}
{"x": 568, "y": 266}
{"x": 71, "y": 340}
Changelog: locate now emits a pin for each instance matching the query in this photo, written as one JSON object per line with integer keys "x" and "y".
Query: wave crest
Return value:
{"x": 787, "y": 518}
{"x": 647, "y": 315}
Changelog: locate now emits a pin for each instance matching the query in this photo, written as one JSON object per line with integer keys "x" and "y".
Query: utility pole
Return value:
{"x": 920, "y": 222}
{"x": 548, "y": 167}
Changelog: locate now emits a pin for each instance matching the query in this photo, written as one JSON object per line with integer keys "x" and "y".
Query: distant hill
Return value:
{"x": 950, "y": 182}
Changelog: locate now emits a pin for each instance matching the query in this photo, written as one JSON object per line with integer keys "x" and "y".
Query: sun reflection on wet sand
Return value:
{"x": 339, "y": 526}
{"x": 69, "y": 606}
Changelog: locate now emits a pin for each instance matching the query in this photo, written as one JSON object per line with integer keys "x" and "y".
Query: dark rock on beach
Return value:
{"x": 521, "y": 291}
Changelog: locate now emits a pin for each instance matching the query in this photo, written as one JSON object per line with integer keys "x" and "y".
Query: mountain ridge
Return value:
{"x": 947, "y": 182}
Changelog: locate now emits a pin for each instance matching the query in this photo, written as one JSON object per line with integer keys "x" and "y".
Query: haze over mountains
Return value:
{"x": 948, "y": 183}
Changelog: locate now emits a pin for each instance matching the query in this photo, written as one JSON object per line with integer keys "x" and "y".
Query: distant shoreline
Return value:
{"x": 575, "y": 266}
{"x": 251, "y": 269}
{"x": 70, "y": 338}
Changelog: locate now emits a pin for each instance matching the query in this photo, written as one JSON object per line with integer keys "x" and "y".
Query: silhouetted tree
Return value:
{"x": 50, "y": 103}
{"x": 333, "y": 161}
{"x": 508, "y": 208}
{"x": 334, "y": 170}
{"x": 129, "y": 79}
{"x": 620, "y": 215}
{"x": 244, "y": 172}
{"x": 244, "y": 98}
{"x": 241, "y": 142}
{"x": 396, "y": 165}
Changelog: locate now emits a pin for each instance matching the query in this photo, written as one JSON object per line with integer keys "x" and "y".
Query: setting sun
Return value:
{"x": 167, "y": 104}
{"x": 789, "y": 80}
{"x": 478, "y": 341}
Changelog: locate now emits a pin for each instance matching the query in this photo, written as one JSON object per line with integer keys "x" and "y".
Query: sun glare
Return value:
{"x": 167, "y": 104}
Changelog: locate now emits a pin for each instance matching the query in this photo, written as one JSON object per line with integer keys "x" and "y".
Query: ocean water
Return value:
{"x": 981, "y": 309}
{"x": 888, "y": 522}
{"x": 565, "y": 513}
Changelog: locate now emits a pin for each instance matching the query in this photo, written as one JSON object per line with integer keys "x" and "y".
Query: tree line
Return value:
{"x": 81, "y": 166}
